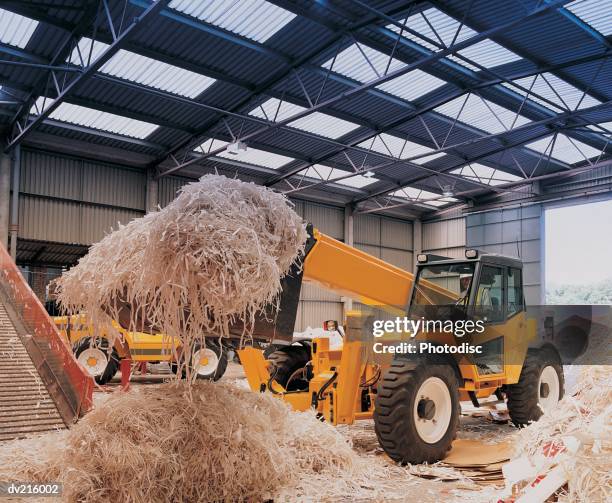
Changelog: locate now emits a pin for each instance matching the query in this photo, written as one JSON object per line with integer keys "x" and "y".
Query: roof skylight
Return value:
{"x": 422, "y": 196}
{"x": 554, "y": 89}
{"x": 316, "y": 122}
{"x": 250, "y": 156}
{"x": 484, "y": 174}
{"x": 321, "y": 172}
{"x": 565, "y": 149}
{"x": 398, "y": 147}
{"x": 436, "y": 26}
{"x": 136, "y": 68}
{"x": 481, "y": 114}
{"x": 363, "y": 64}
{"x": 597, "y": 13}
{"x": 95, "y": 119}
{"x": 254, "y": 19}
{"x": 486, "y": 53}
{"x": 442, "y": 29}
{"x": 16, "y": 30}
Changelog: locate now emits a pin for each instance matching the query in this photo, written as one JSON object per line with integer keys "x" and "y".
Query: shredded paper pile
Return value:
{"x": 214, "y": 256}
{"x": 207, "y": 442}
{"x": 569, "y": 450}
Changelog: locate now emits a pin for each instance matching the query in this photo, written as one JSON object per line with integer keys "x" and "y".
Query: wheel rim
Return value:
{"x": 205, "y": 361}
{"x": 94, "y": 360}
{"x": 432, "y": 410}
{"x": 548, "y": 388}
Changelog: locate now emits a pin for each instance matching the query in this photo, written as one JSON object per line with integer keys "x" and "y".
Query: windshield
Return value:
{"x": 443, "y": 285}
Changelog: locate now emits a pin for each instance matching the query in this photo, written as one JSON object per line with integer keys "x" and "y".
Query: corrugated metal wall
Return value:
{"x": 514, "y": 232}
{"x": 318, "y": 304}
{"x": 68, "y": 200}
{"x": 167, "y": 188}
{"x": 385, "y": 238}
{"x": 444, "y": 237}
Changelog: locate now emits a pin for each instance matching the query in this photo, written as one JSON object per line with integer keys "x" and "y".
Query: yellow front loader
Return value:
{"x": 413, "y": 399}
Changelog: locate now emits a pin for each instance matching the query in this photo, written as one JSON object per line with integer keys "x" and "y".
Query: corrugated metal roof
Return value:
{"x": 254, "y": 19}
{"x": 481, "y": 114}
{"x": 597, "y": 13}
{"x": 16, "y": 30}
{"x": 565, "y": 149}
{"x": 362, "y": 63}
{"x": 104, "y": 121}
{"x": 136, "y": 68}
{"x": 317, "y": 122}
{"x": 556, "y": 90}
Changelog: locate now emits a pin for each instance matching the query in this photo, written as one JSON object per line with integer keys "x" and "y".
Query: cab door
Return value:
{"x": 489, "y": 307}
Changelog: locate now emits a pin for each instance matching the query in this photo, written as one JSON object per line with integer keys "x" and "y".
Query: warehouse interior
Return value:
{"x": 398, "y": 127}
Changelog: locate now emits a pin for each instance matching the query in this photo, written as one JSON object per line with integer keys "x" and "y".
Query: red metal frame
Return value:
{"x": 73, "y": 384}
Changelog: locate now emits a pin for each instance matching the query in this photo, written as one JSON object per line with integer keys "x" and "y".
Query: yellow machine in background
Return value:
{"x": 91, "y": 348}
{"x": 414, "y": 400}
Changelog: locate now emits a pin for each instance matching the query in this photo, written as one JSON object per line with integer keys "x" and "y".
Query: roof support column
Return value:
{"x": 417, "y": 241}
{"x": 5, "y": 197}
{"x": 349, "y": 240}
{"x": 151, "y": 191}
{"x": 14, "y": 226}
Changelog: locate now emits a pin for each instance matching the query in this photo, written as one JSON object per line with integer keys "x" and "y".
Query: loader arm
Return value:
{"x": 348, "y": 271}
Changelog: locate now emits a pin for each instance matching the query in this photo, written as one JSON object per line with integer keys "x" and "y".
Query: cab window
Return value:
{"x": 515, "y": 291}
{"x": 488, "y": 302}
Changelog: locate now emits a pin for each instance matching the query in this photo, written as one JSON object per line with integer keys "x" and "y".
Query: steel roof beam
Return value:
{"x": 567, "y": 116}
{"x": 565, "y": 174}
{"x": 87, "y": 72}
{"x": 155, "y": 55}
{"x": 346, "y": 95}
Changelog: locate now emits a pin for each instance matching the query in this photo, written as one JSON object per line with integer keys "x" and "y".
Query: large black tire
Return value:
{"x": 113, "y": 358}
{"x": 524, "y": 397}
{"x": 285, "y": 361}
{"x": 398, "y": 407}
{"x": 219, "y": 370}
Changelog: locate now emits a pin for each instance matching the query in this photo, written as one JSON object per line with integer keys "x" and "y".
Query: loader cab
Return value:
{"x": 482, "y": 286}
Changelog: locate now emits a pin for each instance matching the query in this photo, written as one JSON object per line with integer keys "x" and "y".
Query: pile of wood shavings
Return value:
{"x": 586, "y": 417}
{"x": 210, "y": 442}
{"x": 214, "y": 256}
